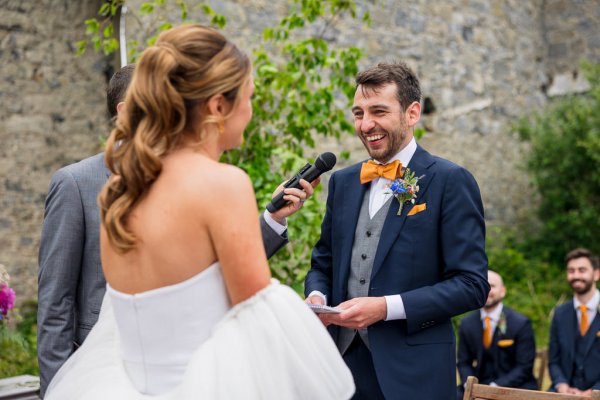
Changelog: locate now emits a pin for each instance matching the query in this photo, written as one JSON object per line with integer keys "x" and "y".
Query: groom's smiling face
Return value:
{"x": 380, "y": 123}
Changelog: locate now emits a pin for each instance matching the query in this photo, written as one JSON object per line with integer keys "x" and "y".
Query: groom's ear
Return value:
{"x": 413, "y": 114}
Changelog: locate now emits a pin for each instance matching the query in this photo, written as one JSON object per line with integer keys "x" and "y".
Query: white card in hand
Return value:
{"x": 321, "y": 309}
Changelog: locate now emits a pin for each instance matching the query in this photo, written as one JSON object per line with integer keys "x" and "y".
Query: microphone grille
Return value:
{"x": 325, "y": 161}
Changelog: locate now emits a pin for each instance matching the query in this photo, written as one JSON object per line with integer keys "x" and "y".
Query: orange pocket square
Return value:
{"x": 505, "y": 342}
{"x": 598, "y": 334}
{"x": 417, "y": 208}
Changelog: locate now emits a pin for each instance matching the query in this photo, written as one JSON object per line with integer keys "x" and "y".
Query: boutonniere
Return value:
{"x": 405, "y": 187}
{"x": 502, "y": 323}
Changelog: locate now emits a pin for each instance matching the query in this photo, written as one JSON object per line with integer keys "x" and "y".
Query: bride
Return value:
{"x": 190, "y": 309}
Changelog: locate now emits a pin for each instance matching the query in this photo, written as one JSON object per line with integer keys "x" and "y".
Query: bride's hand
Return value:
{"x": 295, "y": 199}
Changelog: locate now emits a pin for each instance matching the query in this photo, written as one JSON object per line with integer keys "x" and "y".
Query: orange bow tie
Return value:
{"x": 371, "y": 170}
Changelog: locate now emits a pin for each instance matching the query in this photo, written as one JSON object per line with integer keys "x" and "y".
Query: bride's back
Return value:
{"x": 171, "y": 225}
{"x": 170, "y": 208}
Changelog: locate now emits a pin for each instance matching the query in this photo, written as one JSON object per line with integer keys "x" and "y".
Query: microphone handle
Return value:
{"x": 309, "y": 174}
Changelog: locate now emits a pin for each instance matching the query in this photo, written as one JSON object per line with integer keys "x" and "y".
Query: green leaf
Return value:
{"x": 184, "y": 9}
{"x": 164, "y": 26}
{"x": 218, "y": 21}
{"x": 206, "y": 9}
{"x": 108, "y": 31}
{"x": 81, "y": 46}
{"x": 146, "y": 8}
{"x": 267, "y": 69}
{"x": 92, "y": 26}
{"x": 104, "y": 9}
{"x": 419, "y": 133}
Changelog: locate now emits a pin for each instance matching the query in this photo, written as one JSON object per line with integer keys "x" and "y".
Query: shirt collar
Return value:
{"x": 404, "y": 155}
{"x": 592, "y": 304}
{"x": 494, "y": 315}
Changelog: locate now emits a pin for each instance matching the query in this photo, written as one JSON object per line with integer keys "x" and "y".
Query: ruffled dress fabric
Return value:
{"x": 270, "y": 346}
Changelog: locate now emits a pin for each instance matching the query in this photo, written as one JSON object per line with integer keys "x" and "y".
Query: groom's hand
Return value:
{"x": 295, "y": 198}
{"x": 318, "y": 300}
{"x": 359, "y": 312}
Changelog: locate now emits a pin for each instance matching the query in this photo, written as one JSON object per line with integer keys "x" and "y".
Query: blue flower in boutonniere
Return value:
{"x": 405, "y": 187}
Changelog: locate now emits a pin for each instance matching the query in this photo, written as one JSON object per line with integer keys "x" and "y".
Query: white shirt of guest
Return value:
{"x": 592, "y": 307}
{"x": 276, "y": 226}
{"x": 494, "y": 317}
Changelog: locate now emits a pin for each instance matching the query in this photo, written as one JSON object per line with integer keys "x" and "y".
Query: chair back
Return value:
{"x": 474, "y": 390}
{"x": 542, "y": 360}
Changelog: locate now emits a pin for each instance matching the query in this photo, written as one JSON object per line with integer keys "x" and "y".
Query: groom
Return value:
{"x": 400, "y": 272}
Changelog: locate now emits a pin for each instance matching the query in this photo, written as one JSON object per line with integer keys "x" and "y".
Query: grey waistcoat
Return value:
{"x": 366, "y": 240}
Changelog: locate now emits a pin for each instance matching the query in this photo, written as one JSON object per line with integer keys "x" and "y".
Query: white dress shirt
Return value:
{"x": 494, "y": 317}
{"x": 276, "y": 226}
{"x": 494, "y": 320}
{"x": 592, "y": 307}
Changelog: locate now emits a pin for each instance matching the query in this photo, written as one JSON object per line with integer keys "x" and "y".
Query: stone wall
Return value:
{"x": 483, "y": 64}
{"x": 51, "y": 115}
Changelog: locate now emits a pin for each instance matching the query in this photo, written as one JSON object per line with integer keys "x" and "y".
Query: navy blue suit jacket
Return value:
{"x": 561, "y": 352}
{"x": 435, "y": 259}
{"x": 513, "y": 362}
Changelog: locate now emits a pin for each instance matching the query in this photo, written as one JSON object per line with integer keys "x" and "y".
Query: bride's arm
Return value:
{"x": 236, "y": 235}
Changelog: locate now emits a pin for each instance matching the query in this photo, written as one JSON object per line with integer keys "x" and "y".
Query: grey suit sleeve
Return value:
{"x": 60, "y": 256}
{"x": 272, "y": 240}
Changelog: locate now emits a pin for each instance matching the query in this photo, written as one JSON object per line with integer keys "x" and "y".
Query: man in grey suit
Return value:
{"x": 71, "y": 283}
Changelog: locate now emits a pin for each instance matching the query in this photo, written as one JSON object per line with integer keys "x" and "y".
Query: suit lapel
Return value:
{"x": 420, "y": 164}
{"x": 506, "y": 319}
{"x": 571, "y": 329}
{"x": 354, "y": 193}
{"x": 479, "y": 341}
{"x": 590, "y": 337}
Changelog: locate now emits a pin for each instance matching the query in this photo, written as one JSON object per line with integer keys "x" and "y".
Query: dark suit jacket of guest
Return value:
{"x": 513, "y": 362}
{"x": 435, "y": 259}
{"x": 71, "y": 283}
{"x": 561, "y": 352}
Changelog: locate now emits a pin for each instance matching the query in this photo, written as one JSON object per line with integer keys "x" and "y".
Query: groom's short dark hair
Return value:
{"x": 407, "y": 83}
{"x": 117, "y": 87}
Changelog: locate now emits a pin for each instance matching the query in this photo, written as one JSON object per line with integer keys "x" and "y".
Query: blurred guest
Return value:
{"x": 574, "y": 353}
{"x": 496, "y": 343}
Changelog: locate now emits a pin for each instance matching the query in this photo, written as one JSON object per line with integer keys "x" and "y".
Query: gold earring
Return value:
{"x": 221, "y": 127}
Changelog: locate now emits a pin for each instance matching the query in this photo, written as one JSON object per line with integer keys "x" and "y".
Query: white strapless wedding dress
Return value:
{"x": 184, "y": 341}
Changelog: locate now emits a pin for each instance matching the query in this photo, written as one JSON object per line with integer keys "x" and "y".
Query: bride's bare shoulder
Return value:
{"x": 201, "y": 175}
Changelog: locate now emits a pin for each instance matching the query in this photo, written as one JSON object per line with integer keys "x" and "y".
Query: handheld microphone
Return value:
{"x": 309, "y": 172}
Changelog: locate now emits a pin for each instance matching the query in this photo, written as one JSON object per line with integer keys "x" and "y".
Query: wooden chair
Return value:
{"x": 474, "y": 391}
{"x": 542, "y": 359}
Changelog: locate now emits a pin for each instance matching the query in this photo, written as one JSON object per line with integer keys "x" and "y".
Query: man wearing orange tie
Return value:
{"x": 401, "y": 249}
{"x": 574, "y": 352}
{"x": 496, "y": 344}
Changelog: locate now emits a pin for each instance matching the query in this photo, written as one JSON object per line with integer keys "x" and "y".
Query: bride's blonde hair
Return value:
{"x": 172, "y": 81}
